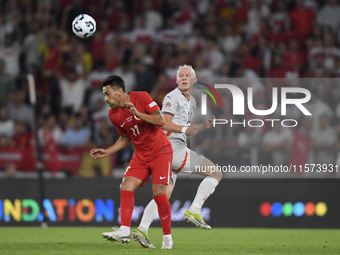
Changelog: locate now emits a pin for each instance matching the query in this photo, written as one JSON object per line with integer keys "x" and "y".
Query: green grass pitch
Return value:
{"x": 88, "y": 240}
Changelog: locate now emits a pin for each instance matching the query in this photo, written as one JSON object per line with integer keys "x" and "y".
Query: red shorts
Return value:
{"x": 160, "y": 169}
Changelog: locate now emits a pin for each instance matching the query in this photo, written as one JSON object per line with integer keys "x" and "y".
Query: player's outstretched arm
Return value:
{"x": 102, "y": 153}
{"x": 172, "y": 127}
{"x": 206, "y": 125}
{"x": 155, "y": 119}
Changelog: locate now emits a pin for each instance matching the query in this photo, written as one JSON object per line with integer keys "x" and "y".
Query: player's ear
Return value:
{"x": 120, "y": 91}
{"x": 193, "y": 80}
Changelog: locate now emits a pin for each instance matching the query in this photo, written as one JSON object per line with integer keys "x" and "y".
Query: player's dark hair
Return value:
{"x": 115, "y": 82}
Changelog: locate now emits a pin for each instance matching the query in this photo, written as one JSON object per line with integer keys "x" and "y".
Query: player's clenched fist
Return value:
{"x": 98, "y": 153}
{"x": 209, "y": 122}
{"x": 132, "y": 108}
{"x": 193, "y": 130}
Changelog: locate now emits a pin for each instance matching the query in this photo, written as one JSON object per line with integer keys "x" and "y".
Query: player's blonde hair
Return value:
{"x": 189, "y": 66}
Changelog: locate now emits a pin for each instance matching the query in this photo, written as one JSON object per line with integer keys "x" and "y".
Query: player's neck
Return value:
{"x": 187, "y": 94}
{"x": 125, "y": 99}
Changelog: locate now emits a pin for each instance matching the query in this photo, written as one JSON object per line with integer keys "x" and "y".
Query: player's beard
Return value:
{"x": 114, "y": 106}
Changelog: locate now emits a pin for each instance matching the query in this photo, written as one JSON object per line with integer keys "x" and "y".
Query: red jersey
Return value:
{"x": 303, "y": 19}
{"x": 149, "y": 139}
{"x": 52, "y": 59}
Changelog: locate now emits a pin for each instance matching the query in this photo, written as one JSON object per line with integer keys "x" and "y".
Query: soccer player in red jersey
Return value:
{"x": 137, "y": 118}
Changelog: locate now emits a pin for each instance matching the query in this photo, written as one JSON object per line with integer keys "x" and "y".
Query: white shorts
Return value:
{"x": 184, "y": 160}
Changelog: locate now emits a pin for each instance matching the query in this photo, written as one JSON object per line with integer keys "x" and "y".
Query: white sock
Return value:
{"x": 125, "y": 229}
{"x": 149, "y": 215}
{"x": 206, "y": 188}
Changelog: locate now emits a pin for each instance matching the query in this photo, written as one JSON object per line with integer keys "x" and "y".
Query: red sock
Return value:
{"x": 127, "y": 203}
{"x": 164, "y": 212}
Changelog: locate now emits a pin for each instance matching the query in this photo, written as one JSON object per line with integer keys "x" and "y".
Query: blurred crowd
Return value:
{"x": 145, "y": 41}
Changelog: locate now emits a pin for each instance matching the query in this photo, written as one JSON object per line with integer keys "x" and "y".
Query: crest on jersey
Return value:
{"x": 168, "y": 105}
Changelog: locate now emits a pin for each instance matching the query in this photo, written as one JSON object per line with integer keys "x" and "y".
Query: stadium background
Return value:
{"x": 145, "y": 42}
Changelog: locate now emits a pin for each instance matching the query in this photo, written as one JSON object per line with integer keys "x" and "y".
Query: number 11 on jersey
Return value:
{"x": 135, "y": 130}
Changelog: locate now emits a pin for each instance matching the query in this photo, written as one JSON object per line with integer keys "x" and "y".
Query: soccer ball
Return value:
{"x": 84, "y": 26}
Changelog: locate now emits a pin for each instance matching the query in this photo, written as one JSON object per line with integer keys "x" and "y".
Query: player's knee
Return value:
{"x": 217, "y": 175}
{"x": 127, "y": 185}
{"x": 169, "y": 188}
{"x": 130, "y": 183}
{"x": 158, "y": 189}
{"x": 156, "y": 192}
{"x": 124, "y": 186}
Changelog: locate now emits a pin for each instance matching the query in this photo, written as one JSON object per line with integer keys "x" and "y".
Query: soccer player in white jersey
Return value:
{"x": 178, "y": 110}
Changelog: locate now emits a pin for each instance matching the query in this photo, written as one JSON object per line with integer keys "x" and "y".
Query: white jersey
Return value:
{"x": 183, "y": 110}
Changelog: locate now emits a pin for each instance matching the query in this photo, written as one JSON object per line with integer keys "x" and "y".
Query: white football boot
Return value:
{"x": 117, "y": 235}
{"x": 167, "y": 243}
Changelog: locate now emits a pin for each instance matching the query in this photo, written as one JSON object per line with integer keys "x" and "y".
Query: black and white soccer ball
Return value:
{"x": 84, "y": 26}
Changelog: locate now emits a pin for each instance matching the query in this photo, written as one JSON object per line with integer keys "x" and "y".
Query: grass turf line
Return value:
{"x": 88, "y": 240}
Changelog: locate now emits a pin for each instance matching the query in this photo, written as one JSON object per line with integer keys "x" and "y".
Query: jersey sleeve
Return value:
{"x": 116, "y": 125}
{"x": 169, "y": 105}
{"x": 150, "y": 105}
